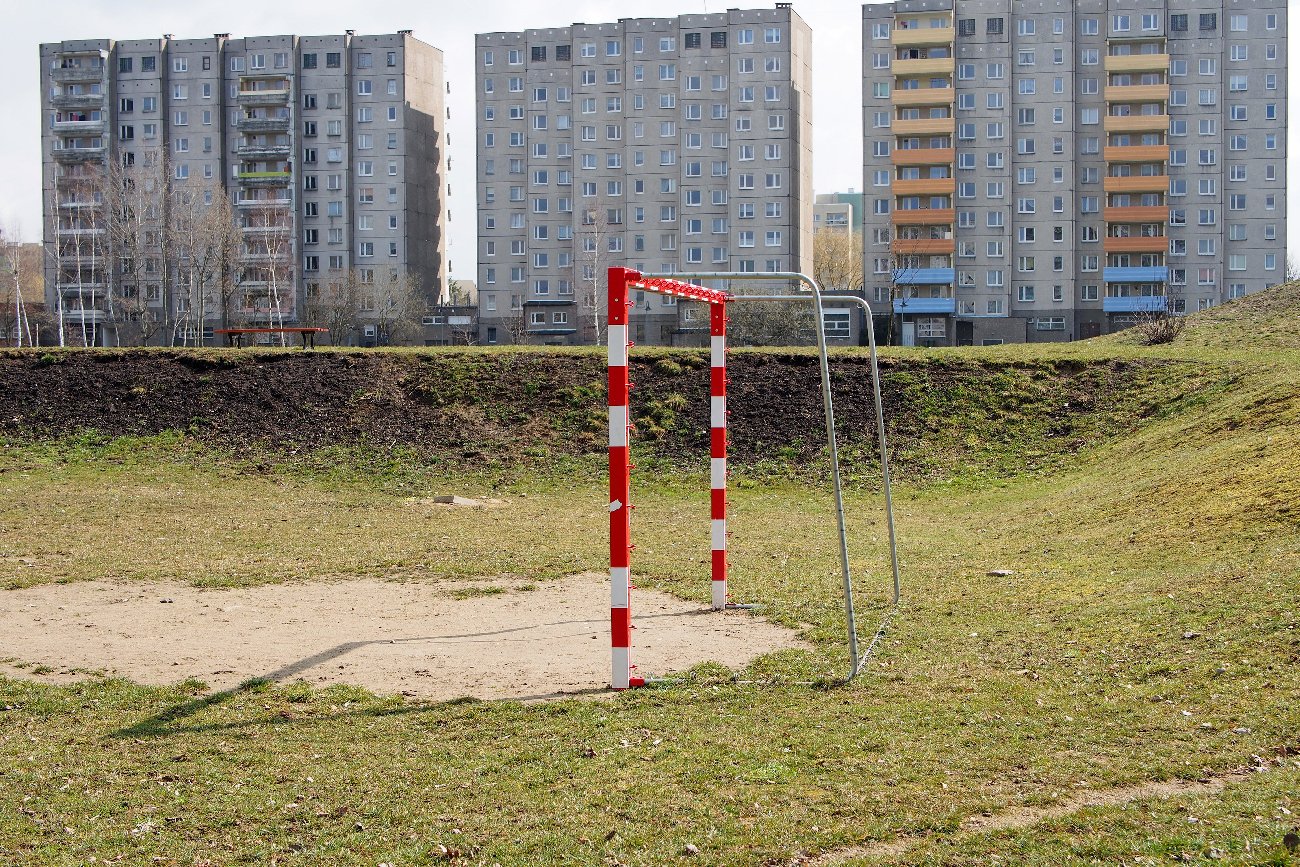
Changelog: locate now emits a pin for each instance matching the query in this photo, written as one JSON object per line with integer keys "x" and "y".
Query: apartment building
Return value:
{"x": 841, "y": 211}
{"x": 332, "y": 150}
{"x": 1052, "y": 169}
{"x": 662, "y": 144}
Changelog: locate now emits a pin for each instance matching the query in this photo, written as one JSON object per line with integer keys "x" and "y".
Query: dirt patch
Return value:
{"x": 474, "y": 408}
{"x": 1018, "y": 818}
{"x": 390, "y": 637}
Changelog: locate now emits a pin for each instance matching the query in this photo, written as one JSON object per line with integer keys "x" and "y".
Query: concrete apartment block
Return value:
{"x": 662, "y": 144}
{"x": 331, "y": 148}
{"x": 1049, "y": 170}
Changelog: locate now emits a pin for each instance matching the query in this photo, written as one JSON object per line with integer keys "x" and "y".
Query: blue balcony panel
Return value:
{"x": 1153, "y": 274}
{"x": 925, "y": 305}
{"x": 924, "y": 276}
{"x": 1135, "y": 304}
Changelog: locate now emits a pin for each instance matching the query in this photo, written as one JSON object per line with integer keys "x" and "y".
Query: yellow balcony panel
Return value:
{"x": 924, "y": 96}
{"x": 1136, "y": 153}
{"x": 1136, "y": 214}
{"x": 925, "y": 126}
{"x": 925, "y": 246}
{"x": 923, "y": 156}
{"x": 925, "y": 187}
{"x": 1136, "y": 122}
{"x": 918, "y": 36}
{"x": 1157, "y": 244}
{"x": 1137, "y": 92}
{"x": 1137, "y": 184}
{"x": 924, "y": 217}
{"x": 1137, "y": 62}
{"x": 924, "y": 66}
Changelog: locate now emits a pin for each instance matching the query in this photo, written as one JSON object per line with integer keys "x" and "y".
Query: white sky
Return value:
{"x": 837, "y": 73}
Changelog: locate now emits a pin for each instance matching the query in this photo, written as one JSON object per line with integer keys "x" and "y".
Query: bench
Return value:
{"x": 235, "y": 336}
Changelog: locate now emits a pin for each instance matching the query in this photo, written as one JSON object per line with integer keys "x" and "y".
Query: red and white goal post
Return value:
{"x": 621, "y": 281}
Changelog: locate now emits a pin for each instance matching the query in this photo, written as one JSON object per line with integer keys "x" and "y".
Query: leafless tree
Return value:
{"x": 336, "y": 305}
{"x": 20, "y": 286}
{"x": 759, "y": 323}
{"x": 1292, "y": 269}
{"x": 268, "y": 260}
{"x": 837, "y": 259}
{"x": 135, "y": 203}
{"x": 591, "y": 268}
{"x": 395, "y": 304}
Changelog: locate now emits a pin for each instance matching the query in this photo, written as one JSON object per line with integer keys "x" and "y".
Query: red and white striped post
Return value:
{"x": 620, "y": 478}
{"x": 718, "y": 448}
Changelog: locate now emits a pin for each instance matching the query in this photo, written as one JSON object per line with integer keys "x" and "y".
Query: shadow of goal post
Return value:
{"x": 621, "y": 280}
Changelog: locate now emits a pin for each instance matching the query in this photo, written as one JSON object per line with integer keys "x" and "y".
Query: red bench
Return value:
{"x": 235, "y": 336}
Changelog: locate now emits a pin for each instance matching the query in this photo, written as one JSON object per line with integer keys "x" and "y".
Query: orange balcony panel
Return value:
{"x": 925, "y": 246}
{"x": 925, "y": 187}
{"x": 924, "y": 66}
{"x": 924, "y": 217}
{"x": 1136, "y": 153}
{"x": 1136, "y": 123}
{"x": 923, "y": 156}
{"x": 926, "y": 126}
{"x": 1138, "y": 184}
{"x": 1158, "y": 244}
{"x": 924, "y": 96}
{"x": 917, "y": 36}
{"x": 1137, "y": 62}
{"x": 1136, "y": 214}
{"x": 1137, "y": 92}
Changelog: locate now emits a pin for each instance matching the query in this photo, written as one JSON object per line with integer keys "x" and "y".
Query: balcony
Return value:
{"x": 924, "y": 66}
{"x": 925, "y": 305}
{"x": 923, "y": 96}
{"x": 925, "y": 187}
{"x": 1136, "y": 123}
{"x": 80, "y": 231}
{"x": 1148, "y": 274}
{"x": 1137, "y": 92}
{"x": 1136, "y": 213}
{"x": 1137, "y": 63}
{"x": 1135, "y": 304}
{"x": 263, "y": 97}
{"x": 1139, "y": 244}
{"x": 92, "y": 127}
{"x": 1136, "y": 153}
{"x": 923, "y": 156}
{"x": 265, "y": 204}
{"x": 926, "y": 126}
{"x": 266, "y": 230}
{"x": 915, "y": 37}
{"x": 77, "y": 100}
{"x": 84, "y": 290}
{"x": 78, "y": 316}
{"x": 925, "y": 277}
{"x": 67, "y": 74}
{"x": 265, "y": 179}
{"x": 924, "y": 246}
{"x": 924, "y": 217}
{"x": 263, "y": 151}
{"x": 263, "y": 124}
{"x": 79, "y": 155}
{"x": 1137, "y": 184}
{"x": 72, "y": 204}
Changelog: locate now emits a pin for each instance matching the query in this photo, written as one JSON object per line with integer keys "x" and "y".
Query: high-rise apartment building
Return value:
{"x": 1050, "y": 169}
{"x": 662, "y": 144}
{"x": 331, "y": 149}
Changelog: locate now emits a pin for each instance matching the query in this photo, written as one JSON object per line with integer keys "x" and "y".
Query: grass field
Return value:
{"x": 1149, "y": 631}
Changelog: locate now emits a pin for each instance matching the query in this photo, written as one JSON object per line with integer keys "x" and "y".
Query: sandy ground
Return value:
{"x": 407, "y": 638}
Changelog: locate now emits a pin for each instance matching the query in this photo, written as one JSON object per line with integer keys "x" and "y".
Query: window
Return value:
{"x": 993, "y": 26}
{"x": 772, "y": 35}
{"x": 1209, "y": 21}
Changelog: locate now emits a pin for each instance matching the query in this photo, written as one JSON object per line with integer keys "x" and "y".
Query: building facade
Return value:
{"x": 842, "y": 211}
{"x": 331, "y": 150}
{"x": 662, "y": 144}
{"x": 1052, "y": 169}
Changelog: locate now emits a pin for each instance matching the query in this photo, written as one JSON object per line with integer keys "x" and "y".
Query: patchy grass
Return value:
{"x": 1148, "y": 630}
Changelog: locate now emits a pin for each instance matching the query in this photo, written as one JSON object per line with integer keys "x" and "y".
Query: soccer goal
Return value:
{"x": 621, "y": 282}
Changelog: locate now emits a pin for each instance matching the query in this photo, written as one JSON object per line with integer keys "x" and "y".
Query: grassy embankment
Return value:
{"x": 1150, "y": 631}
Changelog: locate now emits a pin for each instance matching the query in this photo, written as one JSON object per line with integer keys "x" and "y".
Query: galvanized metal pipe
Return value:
{"x": 855, "y": 662}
